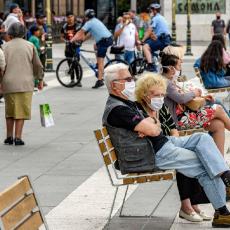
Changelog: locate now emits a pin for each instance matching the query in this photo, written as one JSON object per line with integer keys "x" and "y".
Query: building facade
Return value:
{"x": 106, "y": 10}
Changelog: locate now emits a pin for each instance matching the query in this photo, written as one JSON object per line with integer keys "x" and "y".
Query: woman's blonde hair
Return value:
{"x": 147, "y": 81}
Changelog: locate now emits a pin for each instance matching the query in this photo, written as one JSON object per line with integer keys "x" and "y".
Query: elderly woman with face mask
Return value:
{"x": 150, "y": 99}
{"x": 22, "y": 66}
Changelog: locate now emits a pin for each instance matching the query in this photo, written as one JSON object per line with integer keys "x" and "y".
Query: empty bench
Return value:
{"x": 116, "y": 178}
{"x": 19, "y": 208}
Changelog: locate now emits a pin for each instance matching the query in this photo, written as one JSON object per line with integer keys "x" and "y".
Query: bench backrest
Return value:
{"x": 19, "y": 207}
{"x": 109, "y": 156}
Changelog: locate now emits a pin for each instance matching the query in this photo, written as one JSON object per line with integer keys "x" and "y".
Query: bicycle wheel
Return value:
{"x": 115, "y": 60}
{"x": 69, "y": 72}
{"x": 138, "y": 66}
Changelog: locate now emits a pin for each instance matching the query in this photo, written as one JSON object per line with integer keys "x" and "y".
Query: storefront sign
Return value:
{"x": 202, "y": 6}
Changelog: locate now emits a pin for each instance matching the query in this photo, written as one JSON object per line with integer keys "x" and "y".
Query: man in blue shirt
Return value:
{"x": 157, "y": 36}
{"x": 102, "y": 36}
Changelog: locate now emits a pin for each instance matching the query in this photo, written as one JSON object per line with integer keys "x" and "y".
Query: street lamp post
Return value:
{"x": 188, "y": 49}
{"x": 49, "y": 42}
{"x": 174, "y": 20}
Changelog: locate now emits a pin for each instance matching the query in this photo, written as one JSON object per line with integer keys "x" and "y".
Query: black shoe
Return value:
{"x": 18, "y": 141}
{"x": 9, "y": 141}
{"x": 79, "y": 84}
{"x": 99, "y": 83}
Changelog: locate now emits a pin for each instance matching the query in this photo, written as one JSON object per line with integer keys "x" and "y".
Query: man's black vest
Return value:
{"x": 134, "y": 154}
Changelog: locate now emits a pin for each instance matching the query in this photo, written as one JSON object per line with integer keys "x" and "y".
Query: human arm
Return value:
{"x": 226, "y": 57}
{"x": 124, "y": 117}
{"x": 79, "y": 36}
{"x": 212, "y": 28}
{"x": 179, "y": 96}
{"x": 118, "y": 30}
{"x": 147, "y": 33}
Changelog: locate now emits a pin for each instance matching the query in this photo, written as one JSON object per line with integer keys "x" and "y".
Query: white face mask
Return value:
{"x": 129, "y": 90}
{"x": 156, "y": 103}
{"x": 176, "y": 74}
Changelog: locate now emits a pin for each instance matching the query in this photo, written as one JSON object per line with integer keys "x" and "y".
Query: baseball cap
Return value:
{"x": 13, "y": 6}
{"x": 155, "y": 6}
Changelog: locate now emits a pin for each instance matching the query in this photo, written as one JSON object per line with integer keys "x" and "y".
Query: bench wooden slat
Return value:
{"x": 107, "y": 159}
{"x": 104, "y": 131}
{"x": 190, "y": 131}
{"x": 151, "y": 177}
{"x": 19, "y": 211}
{"x": 102, "y": 147}
{"x": 98, "y": 135}
{"x": 113, "y": 155}
{"x": 109, "y": 143}
{"x": 33, "y": 223}
{"x": 13, "y": 193}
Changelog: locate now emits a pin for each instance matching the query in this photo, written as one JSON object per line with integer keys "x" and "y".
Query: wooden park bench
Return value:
{"x": 19, "y": 208}
{"x": 116, "y": 178}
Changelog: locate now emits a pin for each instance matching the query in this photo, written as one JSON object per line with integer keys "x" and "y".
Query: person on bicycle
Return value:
{"x": 103, "y": 37}
{"x": 157, "y": 37}
{"x": 69, "y": 29}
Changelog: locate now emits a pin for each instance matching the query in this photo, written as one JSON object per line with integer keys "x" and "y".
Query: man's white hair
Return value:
{"x": 111, "y": 73}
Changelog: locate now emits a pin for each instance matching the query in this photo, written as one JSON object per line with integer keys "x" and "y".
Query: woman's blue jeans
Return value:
{"x": 196, "y": 156}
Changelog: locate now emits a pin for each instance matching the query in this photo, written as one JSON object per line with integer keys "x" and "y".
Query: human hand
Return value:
{"x": 141, "y": 135}
{"x": 40, "y": 85}
{"x": 209, "y": 98}
{"x": 153, "y": 36}
{"x": 197, "y": 92}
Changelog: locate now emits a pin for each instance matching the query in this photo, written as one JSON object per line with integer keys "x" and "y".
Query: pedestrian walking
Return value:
{"x": 22, "y": 66}
{"x": 218, "y": 25}
{"x": 103, "y": 37}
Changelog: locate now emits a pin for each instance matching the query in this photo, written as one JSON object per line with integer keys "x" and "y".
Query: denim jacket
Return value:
{"x": 213, "y": 79}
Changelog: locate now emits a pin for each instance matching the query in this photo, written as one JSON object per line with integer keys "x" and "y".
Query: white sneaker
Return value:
{"x": 204, "y": 216}
{"x": 193, "y": 217}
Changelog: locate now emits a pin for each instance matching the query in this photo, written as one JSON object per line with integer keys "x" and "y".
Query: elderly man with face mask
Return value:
{"x": 141, "y": 146}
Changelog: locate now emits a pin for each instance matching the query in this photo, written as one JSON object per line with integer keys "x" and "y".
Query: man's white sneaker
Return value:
{"x": 193, "y": 216}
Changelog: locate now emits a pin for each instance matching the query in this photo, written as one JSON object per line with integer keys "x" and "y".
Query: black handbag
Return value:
{"x": 115, "y": 49}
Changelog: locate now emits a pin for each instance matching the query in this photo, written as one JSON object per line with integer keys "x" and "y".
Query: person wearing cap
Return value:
{"x": 22, "y": 67}
{"x": 68, "y": 31}
{"x": 103, "y": 37}
{"x": 15, "y": 15}
{"x": 157, "y": 37}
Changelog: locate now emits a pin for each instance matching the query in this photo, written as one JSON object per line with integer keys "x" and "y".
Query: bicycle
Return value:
{"x": 139, "y": 65}
{"x": 69, "y": 70}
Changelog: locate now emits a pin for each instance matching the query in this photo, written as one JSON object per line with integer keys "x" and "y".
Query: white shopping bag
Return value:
{"x": 46, "y": 116}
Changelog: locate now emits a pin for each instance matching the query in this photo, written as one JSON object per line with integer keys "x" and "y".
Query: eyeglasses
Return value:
{"x": 128, "y": 79}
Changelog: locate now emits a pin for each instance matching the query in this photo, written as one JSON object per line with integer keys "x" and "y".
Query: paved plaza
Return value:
{"x": 66, "y": 168}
